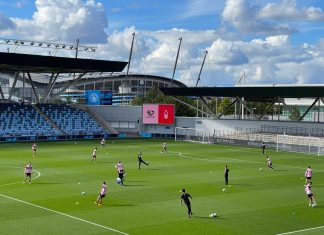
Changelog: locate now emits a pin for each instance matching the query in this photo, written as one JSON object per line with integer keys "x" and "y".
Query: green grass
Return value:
{"x": 257, "y": 202}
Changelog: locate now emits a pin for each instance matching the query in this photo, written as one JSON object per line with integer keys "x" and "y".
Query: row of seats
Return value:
{"x": 23, "y": 120}
{"x": 71, "y": 120}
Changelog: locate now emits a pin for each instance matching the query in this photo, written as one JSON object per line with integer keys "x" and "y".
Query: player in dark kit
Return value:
{"x": 263, "y": 147}
{"x": 226, "y": 171}
{"x": 185, "y": 198}
{"x": 140, "y": 160}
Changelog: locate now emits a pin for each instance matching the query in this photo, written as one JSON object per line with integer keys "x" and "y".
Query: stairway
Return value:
{"x": 98, "y": 119}
{"x": 49, "y": 120}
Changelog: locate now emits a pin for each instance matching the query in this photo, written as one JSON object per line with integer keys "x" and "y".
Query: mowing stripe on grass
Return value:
{"x": 61, "y": 213}
{"x": 300, "y": 231}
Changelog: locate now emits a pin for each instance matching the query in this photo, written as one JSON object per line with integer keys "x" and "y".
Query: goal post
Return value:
{"x": 189, "y": 134}
{"x": 302, "y": 144}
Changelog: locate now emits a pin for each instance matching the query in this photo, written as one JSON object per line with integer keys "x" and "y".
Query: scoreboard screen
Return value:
{"x": 96, "y": 97}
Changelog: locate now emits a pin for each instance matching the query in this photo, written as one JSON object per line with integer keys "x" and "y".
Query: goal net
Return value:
{"x": 189, "y": 134}
{"x": 302, "y": 144}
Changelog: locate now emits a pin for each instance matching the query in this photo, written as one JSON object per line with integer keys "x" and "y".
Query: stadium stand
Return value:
{"x": 23, "y": 120}
{"x": 71, "y": 120}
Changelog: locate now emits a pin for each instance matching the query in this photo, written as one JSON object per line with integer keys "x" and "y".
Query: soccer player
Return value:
{"x": 308, "y": 174}
{"x": 34, "y": 148}
{"x": 28, "y": 172}
{"x": 185, "y": 197}
{"x": 310, "y": 195}
{"x": 226, "y": 171}
{"x": 263, "y": 146}
{"x": 94, "y": 154}
{"x": 103, "y": 143}
{"x": 120, "y": 170}
{"x": 269, "y": 161}
{"x": 102, "y": 194}
{"x": 164, "y": 148}
{"x": 140, "y": 160}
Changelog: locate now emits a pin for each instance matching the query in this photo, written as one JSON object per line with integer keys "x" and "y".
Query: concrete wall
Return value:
{"x": 129, "y": 119}
{"x": 252, "y": 125}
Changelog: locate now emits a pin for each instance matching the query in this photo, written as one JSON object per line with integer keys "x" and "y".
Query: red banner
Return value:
{"x": 166, "y": 114}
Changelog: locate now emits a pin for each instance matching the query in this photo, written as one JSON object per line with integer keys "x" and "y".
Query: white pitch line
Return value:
{"x": 67, "y": 215}
{"x": 300, "y": 231}
{"x": 222, "y": 159}
{"x": 39, "y": 174}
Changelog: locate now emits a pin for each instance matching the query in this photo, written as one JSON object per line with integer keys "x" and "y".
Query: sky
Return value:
{"x": 267, "y": 42}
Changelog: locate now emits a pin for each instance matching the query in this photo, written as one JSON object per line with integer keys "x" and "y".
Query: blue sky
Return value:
{"x": 275, "y": 41}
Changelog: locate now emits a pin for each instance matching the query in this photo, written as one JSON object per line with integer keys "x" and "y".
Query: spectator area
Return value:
{"x": 71, "y": 120}
{"x": 23, "y": 120}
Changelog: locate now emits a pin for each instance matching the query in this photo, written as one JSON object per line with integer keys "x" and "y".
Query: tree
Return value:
{"x": 224, "y": 104}
{"x": 155, "y": 96}
{"x": 294, "y": 114}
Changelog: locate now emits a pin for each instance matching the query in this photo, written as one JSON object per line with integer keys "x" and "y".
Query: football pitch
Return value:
{"x": 256, "y": 201}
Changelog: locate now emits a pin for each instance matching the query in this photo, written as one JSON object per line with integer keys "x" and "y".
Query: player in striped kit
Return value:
{"x": 94, "y": 154}
{"x": 308, "y": 174}
{"x": 310, "y": 195}
{"x": 120, "y": 170}
{"x": 34, "y": 148}
{"x": 28, "y": 172}
{"x": 103, "y": 192}
{"x": 269, "y": 161}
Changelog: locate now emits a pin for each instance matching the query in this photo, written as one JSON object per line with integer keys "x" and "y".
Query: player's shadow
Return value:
{"x": 241, "y": 184}
{"x": 136, "y": 181}
{"x": 206, "y": 217}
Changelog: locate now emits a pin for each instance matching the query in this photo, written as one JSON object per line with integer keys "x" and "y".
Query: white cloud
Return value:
{"x": 64, "y": 20}
{"x": 5, "y": 23}
{"x": 288, "y": 10}
{"x": 270, "y": 59}
{"x": 245, "y": 19}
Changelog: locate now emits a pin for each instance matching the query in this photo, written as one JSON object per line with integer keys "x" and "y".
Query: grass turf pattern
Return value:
{"x": 255, "y": 201}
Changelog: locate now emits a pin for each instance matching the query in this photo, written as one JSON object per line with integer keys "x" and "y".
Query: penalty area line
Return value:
{"x": 61, "y": 213}
{"x": 300, "y": 231}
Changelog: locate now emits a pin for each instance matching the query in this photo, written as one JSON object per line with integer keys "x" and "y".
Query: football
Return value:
{"x": 83, "y": 193}
{"x": 260, "y": 169}
{"x": 224, "y": 189}
{"x": 314, "y": 205}
{"x": 212, "y": 215}
{"x": 118, "y": 180}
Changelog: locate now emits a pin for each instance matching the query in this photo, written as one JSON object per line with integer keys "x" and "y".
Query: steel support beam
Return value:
{"x": 50, "y": 87}
{"x": 189, "y": 105}
{"x": 227, "y": 108}
{"x": 267, "y": 109}
{"x": 1, "y": 92}
{"x": 13, "y": 86}
{"x": 69, "y": 85}
{"x": 33, "y": 88}
{"x": 309, "y": 108}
